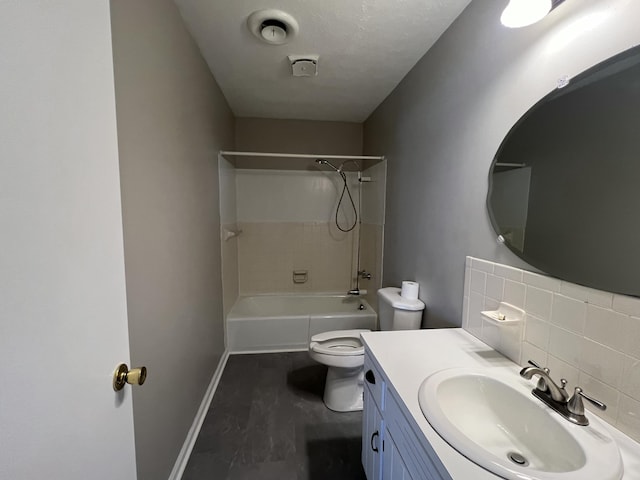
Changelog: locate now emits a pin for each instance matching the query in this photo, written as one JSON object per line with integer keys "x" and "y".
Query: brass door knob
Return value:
{"x": 122, "y": 376}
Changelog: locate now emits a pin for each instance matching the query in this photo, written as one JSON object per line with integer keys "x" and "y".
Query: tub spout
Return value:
{"x": 357, "y": 291}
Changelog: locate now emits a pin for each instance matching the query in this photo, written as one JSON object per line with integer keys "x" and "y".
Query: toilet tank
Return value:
{"x": 398, "y": 313}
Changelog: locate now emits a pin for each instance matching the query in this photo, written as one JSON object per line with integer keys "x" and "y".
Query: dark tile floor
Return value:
{"x": 267, "y": 421}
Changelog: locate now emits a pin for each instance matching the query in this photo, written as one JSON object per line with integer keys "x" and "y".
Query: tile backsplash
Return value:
{"x": 590, "y": 337}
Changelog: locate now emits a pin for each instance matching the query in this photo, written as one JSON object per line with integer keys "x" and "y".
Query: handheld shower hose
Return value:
{"x": 345, "y": 188}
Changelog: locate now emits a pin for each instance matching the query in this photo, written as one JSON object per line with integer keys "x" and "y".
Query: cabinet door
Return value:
{"x": 372, "y": 434}
{"x": 418, "y": 463}
{"x": 393, "y": 467}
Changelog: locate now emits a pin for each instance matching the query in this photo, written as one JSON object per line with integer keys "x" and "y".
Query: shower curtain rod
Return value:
{"x": 299, "y": 155}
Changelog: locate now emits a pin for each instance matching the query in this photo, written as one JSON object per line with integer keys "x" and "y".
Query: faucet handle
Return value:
{"x": 534, "y": 364}
{"x": 364, "y": 274}
{"x": 576, "y": 406}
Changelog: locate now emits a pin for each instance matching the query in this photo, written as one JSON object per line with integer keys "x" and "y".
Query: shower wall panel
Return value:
{"x": 372, "y": 228}
{"x": 228, "y": 225}
{"x": 287, "y": 223}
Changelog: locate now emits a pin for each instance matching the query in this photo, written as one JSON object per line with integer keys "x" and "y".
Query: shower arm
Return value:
{"x": 322, "y": 161}
{"x": 340, "y": 169}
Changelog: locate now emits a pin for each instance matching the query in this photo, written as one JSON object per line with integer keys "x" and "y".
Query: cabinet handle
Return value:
{"x": 375, "y": 434}
{"x": 371, "y": 378}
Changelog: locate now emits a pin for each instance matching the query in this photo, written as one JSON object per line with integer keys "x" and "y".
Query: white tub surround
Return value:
{"x": 271, "y": 323}
{"x": 402, "y": 360}
{"x": 281, "y": 237}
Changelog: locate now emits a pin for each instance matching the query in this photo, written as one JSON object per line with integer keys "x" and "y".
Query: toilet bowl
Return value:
{"x": 343, "y": 352}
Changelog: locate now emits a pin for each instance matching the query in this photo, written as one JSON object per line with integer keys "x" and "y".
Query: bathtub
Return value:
{"x": 285, "y": 323}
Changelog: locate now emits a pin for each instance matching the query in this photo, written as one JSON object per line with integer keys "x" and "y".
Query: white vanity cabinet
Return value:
{"x": 372, "y": 425}
{"x": 390, "y": 448}
{"x": 408, "y": 447}
{"x": 372, "y": 438}
{"x": 392, "y": 464}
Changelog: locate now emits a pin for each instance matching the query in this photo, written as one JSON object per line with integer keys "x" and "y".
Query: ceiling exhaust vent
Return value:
{"x": 304, "y": 65}
{"x": 274, "y": 27}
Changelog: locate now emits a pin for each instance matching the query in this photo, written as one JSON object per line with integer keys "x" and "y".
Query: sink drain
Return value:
{"x": 518, "y": 459}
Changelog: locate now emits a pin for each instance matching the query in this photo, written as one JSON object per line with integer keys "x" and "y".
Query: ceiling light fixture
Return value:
{"x": 521, "y": 13}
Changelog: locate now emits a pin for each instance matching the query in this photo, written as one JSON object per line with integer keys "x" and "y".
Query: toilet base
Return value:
{"x": 343, "y": 389}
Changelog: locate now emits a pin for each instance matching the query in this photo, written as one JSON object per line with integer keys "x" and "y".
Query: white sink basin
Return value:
{"x": 489, "y": 419}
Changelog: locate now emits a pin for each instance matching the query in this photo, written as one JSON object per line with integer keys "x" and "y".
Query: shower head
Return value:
{"x": 322, "y": 161}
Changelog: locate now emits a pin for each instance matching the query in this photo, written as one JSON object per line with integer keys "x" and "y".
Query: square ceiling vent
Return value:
{"x": 304, "y": 65}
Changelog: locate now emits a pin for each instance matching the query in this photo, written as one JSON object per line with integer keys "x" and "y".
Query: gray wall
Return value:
{"x": 442, "y": 125}
{"x": 294, "y": 136}
{"x": 172, "y": 120}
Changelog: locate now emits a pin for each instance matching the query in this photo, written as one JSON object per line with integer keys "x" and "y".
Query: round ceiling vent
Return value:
{"x": 274, "y": 27}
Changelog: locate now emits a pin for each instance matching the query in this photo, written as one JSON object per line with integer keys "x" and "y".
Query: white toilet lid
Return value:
{"x": 339, "y": 342}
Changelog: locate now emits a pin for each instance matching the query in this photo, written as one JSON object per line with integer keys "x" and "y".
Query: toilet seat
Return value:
{"x": 338, "y": 343}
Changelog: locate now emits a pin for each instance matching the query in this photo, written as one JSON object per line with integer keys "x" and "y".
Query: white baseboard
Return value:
{"x": 192, "y": 436}
{"x": 273, "y": 350}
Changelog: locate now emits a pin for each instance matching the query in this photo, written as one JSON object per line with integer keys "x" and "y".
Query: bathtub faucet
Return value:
{"x": 357, "y": 291}
{"x": 364, "y": 274}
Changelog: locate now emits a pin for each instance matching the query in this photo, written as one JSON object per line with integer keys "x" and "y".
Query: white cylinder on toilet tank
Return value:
{"x": 398, "y": 313}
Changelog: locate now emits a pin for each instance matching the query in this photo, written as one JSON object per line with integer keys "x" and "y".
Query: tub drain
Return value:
{"x": 518, "y": 459}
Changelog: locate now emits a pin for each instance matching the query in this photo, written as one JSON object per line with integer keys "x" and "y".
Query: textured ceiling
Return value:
{"x": 365, "y": 46}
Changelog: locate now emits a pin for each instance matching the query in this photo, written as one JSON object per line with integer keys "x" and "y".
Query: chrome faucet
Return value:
{"x": 558, "y": 394}
{"x": 557, "y": 398}
{"x": 364, "y": 274}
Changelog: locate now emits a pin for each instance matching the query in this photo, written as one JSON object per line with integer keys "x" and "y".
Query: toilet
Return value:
{"x": 398, "y": 313}
{"x": 343, "y": 352}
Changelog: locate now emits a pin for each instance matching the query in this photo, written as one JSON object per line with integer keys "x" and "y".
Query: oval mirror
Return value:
{"x": 565, "y": 184}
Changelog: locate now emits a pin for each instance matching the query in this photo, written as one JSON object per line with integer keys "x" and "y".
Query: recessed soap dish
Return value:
{"x": 506, "y": 314}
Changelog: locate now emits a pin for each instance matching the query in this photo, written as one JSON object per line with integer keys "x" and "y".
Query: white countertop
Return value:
{"x": 408, "y": 357}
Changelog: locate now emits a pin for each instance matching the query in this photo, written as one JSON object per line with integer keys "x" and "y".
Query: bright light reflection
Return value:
{"x": 575, "y": 29}
{"x": 520, "y": 13}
